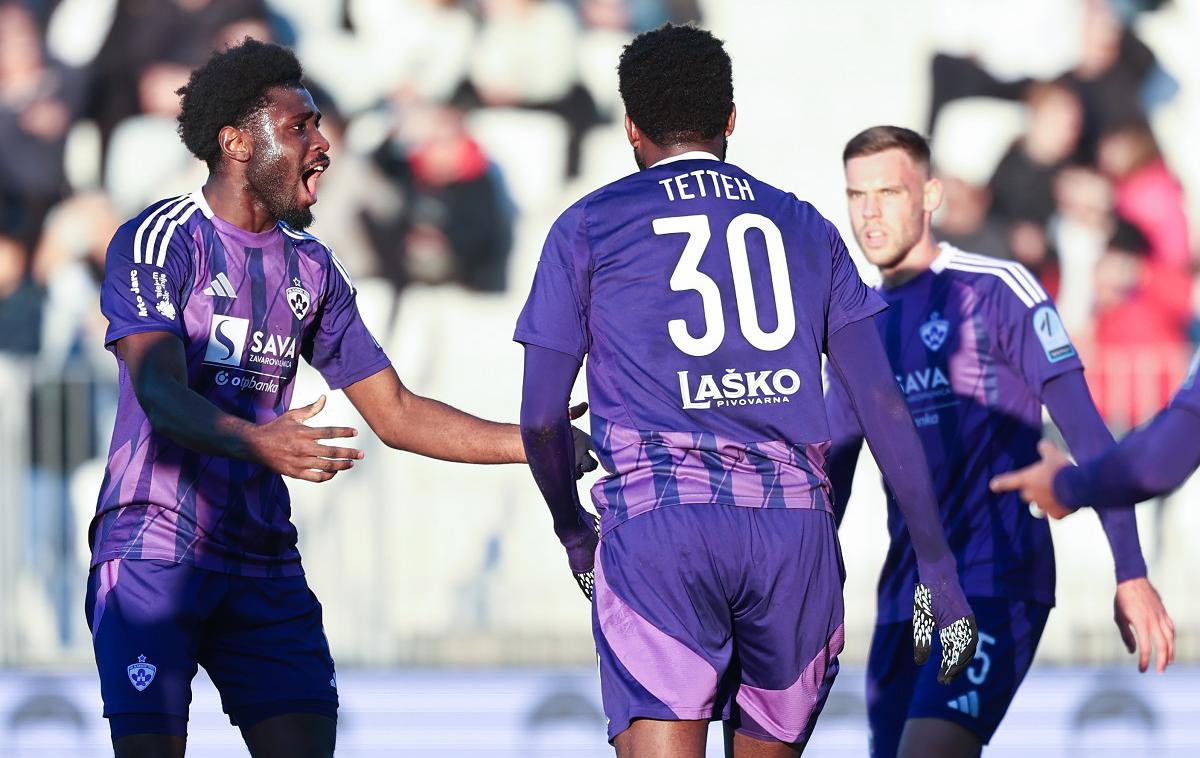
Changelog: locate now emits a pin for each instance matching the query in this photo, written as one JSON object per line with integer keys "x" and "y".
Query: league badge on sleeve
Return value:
{"x": 141, "y": 674}
{"x": 298, "y": 299}
{"x": 1051, "y": 333}
{"x": 934, "y": 332}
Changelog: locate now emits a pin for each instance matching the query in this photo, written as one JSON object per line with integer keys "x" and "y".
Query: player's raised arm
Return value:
{"x": 857, "y": 355}
{"x": 549, "y": 376}
{"x": 157, "y": 368}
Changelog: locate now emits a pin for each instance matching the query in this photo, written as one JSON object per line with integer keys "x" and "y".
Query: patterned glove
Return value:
{"x": 959, "y": 638}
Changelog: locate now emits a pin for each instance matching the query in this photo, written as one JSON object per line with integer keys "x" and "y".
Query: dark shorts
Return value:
{"x": 898, "y": 689}
{"x": 260, "y": 640}
{"x": 715, "y": 611}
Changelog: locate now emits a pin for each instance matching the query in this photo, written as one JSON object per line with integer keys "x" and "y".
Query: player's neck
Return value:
{"x": 232, "y": 203}
{"x": 916, "y": 262}
{"x": 652, "y": 153}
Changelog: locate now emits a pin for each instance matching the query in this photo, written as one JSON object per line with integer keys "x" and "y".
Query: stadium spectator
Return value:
{"x": 457, "y": 224}
{"x": 526, "y": 58}
{"x": 965, "y": 221}
{"x": 20, "y": 302}
{"x": 1146, "y": 193}
{"x": 39, "y": 98}
{"x": 1141, "y": 317}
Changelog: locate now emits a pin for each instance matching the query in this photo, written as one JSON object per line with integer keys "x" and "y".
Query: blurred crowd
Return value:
{"x": 88, "y": 107}
{"x": 1086, "y": 200}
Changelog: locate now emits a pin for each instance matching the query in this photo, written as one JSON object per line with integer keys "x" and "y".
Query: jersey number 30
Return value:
{"x": 687, "y": 276}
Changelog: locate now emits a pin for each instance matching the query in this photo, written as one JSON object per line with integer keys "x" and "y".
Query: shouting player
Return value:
{"x": 703, "y": 299}
{"x": 976, "y": 347}
{"x": 212, "y": 299}
{"x": 1149, "y": 462}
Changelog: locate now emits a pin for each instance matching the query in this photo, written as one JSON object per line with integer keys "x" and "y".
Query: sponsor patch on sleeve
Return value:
{"x": 1050, "y": 332}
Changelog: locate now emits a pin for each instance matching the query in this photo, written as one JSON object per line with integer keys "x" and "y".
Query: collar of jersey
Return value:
{"x": 691, "y": 155}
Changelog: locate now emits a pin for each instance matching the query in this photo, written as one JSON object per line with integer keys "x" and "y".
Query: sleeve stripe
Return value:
{"x": 170, "y": 231}
{"x": 141, "y": 230}
{"x": 1032, "y": 286}
{"x": 1003, "y": 274}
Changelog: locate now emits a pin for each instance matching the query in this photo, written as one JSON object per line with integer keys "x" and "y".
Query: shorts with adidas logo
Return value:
{"x": 898, "y": 689}
{"x": 260, "y": 640}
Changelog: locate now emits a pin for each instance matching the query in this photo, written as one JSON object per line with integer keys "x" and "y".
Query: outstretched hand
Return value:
{"x": 1142, "y": 620}
{"x": 288, "y": 446}
{"x": 1035, "y": 483}
{"x": 584, "y": 462}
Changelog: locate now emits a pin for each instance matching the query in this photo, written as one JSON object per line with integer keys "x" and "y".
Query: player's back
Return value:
{"x": 704, "y": 300}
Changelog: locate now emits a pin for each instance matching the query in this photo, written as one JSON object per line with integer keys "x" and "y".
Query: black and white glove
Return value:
{"x": 959, "y": 636}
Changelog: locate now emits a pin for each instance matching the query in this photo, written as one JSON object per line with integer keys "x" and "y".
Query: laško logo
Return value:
{"x": 734, "y": 388}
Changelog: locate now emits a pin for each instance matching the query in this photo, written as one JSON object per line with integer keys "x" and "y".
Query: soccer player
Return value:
{"x": 976, "y": 347}
{"x": 703, "y": 299}
{"x": 1149, "y": 462}
{"x": 212, "y": 299}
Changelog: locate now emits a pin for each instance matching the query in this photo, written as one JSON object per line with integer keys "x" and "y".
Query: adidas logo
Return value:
{"x": 221, "y": 287}
{"x": 968, "y": 703}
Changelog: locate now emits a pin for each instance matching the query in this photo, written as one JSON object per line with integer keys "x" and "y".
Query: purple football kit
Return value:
{"x": 972, "y": 340}
{"x": 194, "y": 557}
{"x": 702, "y": 299}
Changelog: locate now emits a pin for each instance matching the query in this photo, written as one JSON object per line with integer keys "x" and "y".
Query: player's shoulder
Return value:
{"x": 311, "y": 246}
{"x": 160, "y": 226}
{"x": 990, "y": 278}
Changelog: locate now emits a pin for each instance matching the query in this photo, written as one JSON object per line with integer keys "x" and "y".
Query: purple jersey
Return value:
{"x": 246, "y": 307}
{"x": 702, "y": 298}
{"x": 971, "y": 341}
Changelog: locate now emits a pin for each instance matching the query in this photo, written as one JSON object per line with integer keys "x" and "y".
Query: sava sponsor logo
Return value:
{"x": 272, "y": 350}
{"x": 246, "y": 382}
{"x": 923, "y": 381}
{"x": 929, "y": 418}
{"x": 136, "y": 288}
{"x": 735, "y": 388}
{"x": 227, "y": 345}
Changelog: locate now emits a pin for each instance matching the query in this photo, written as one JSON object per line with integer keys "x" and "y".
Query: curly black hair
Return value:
{"x": 229, "y": 89}
{"x": 677, "y": 84}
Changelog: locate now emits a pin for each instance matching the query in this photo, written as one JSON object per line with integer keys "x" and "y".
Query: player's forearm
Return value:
{"x": 187, "y": 418}
{"x": 1070, "y": 405}
{"x": 858, "y": 355}
{"x": 1147, "y": 463}
{"x": 431, "y": 428}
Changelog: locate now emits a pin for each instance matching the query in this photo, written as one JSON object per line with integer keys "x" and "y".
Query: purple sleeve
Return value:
{"x": 1149, "y": 462}
{"x": 145, "y": 281}
{"x": 342, "y": 347}
{"x": 845, "y": 437}
{"x": 858, "y": 356}
{"x": 555, "y": 314}
{"x": 850, "y": 299}
{"x": 1071, "y": 407}
{"x": 546, "y": 432}
{"x": 1029, "y": 332}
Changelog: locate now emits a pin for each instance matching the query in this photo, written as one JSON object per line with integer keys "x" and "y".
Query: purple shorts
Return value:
{"x": 260, "y": 640}
{"x": 718, "y": 612}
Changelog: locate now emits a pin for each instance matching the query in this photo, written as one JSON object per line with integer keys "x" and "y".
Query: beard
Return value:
{"x": 273, "y": 182}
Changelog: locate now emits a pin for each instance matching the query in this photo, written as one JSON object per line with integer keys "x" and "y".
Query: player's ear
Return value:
{"x": 631, "y": 131}
{"x": 732, "y": 120}
{"x": 235, "y": 143}
{"x": 933, "y": 194}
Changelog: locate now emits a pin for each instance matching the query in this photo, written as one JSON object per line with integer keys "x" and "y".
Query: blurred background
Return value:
{"x": 1065, "y": 131}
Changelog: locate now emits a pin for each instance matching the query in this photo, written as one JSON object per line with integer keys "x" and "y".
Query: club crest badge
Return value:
{"x": 935, "y": 331}
{"x": 298, "y": 299}
{"x": 141, "y": 674}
